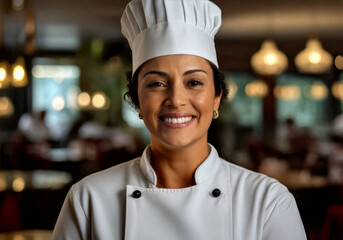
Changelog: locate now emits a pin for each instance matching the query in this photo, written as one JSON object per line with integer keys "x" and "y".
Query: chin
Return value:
{"x": 180, "y": 144}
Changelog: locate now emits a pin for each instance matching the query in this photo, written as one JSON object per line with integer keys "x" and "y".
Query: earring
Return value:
{"x": 215, "y": 114}
{"x": 140, "y": 115}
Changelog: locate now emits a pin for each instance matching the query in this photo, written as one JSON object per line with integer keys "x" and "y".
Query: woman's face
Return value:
{"x": 177, "y": 99}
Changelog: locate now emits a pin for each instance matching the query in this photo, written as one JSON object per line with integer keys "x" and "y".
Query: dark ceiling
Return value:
{"x": 64, "y": 25}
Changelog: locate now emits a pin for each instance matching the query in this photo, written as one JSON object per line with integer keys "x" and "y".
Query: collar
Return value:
{"x": 205, "y": 171}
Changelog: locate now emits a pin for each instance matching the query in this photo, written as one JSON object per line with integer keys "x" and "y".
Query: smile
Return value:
{"x": 177, "y": 120}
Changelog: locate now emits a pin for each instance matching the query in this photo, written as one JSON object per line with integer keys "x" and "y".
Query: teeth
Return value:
{"x": 177, "y": 120}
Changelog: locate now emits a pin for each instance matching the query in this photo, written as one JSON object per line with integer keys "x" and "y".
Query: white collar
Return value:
{"x": 205, "y": 171}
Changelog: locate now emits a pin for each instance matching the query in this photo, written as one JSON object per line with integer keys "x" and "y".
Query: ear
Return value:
{"x": 217, "y": 100}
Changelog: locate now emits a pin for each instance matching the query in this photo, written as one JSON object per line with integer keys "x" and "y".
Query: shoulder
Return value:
{"x": 252, "y": 183}
{"x": 109, "y": 180}
{"x": 262, "y": 202}
{"x": 258, "y": 191}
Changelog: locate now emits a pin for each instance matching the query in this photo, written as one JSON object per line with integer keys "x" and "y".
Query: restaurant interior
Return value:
{"x": 63, "y": 116}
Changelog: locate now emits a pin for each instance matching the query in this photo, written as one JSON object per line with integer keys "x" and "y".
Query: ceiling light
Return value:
{"x": 313, "y": 59}
{"x": 4, "y": 76}
{"x": 339, "y": 62}
{"x": 269, "y": 60}
{"x": 257, "y": 88}
{"x": 19, "y": 76}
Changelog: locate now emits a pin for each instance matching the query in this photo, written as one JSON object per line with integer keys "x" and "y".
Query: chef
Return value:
{"x": 179, "y": 189}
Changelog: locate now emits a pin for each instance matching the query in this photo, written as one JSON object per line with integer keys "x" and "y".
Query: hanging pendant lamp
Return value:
{"x": 19, "y": 75}
{"x": 269, "y": 60}
{"x": 4, "y": 74}
{"x": 313, "y": 59}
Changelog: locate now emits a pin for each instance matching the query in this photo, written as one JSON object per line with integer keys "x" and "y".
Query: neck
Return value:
{"x": 175, "y": 168}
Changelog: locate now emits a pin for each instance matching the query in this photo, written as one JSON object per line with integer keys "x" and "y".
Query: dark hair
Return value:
{"x": 131, "y": 94}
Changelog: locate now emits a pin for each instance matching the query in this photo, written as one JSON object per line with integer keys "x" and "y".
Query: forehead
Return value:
{"x": 176, "y": 63}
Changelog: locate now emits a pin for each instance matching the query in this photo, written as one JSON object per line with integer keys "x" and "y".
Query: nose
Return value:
{"x": 177, "y": 95}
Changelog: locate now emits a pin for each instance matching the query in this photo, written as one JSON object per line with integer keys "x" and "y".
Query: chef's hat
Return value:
{"x": 164, "y": 27}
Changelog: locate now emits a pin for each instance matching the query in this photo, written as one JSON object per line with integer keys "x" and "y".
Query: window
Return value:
{"x": 55, "y": 89}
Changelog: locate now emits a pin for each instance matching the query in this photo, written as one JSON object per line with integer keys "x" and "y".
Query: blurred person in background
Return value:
{"x": 179, "y": 188}
{"x": 31, "y": 142}
{"x": 33, "y": 127}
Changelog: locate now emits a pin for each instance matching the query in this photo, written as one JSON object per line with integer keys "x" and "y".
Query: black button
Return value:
{"x": 216, "y": 192}
{"x": 136, "y": 194}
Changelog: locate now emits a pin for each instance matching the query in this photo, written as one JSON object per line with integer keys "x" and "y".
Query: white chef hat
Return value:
{"x": 164, "y": 27}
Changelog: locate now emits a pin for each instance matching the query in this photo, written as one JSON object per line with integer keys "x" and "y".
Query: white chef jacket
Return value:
{"x": 227, "y": 202}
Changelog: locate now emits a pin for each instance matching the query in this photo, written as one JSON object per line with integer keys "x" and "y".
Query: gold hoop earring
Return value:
{"x": 140, "y": 116}
{"x": 215, "y": 114}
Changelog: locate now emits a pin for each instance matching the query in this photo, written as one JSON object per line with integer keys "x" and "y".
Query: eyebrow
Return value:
{"x": 194, "y": 71}
{"x": 163, "y": 74}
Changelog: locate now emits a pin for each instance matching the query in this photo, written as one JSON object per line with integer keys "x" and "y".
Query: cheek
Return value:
{"x": 147, "y": 103}
{"x": 205, "y": 101}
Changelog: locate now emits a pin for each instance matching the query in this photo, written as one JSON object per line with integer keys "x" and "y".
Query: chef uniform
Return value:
{"x": 227, "y": 202}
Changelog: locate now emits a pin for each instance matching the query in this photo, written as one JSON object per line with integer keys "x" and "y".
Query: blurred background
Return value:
{"x": 63, "y": 68}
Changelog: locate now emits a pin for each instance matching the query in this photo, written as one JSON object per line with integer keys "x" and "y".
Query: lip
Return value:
{"x": 177, "y": 120}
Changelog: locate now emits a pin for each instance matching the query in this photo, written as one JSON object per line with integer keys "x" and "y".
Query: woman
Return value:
{"x": 179, "y": 188}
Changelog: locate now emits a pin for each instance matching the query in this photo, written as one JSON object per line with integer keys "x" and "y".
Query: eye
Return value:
{"x": 156, "y": 84}
{"x": 195, "y": 82}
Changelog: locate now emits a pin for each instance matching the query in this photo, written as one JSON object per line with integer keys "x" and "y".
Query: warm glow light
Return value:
{"x": 18, "y": 73}
{"x": 339, "y": 62}
{"x": 19, "y": 237}
{"x": 269, "y": 60}
{"x": 3, "y": 185}
{"x": 6, "y": 107}
{"x": 58, "y": 103}
{"x": 313, "y": 59}
{"x": 3, "y": 74}
{"x": 233, "y": 90}
{"x": 99, "y": 100}
{"x": 287, "y": 92}
{"x": 317, "y": 91}
{"x": 18, "y": 184}
{"x": 84, "y": 99}
{"x": 19, "y": 76}
{"x": 337, "y": 90}
{"x": 256, "y": 88}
